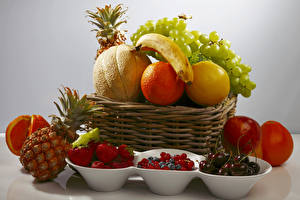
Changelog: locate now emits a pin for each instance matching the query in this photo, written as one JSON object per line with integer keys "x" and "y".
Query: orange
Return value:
{"x": 21, "y": 127}
{"x": 160, "y": 84}
{"x": 37, "y": 122}
{"x": 16, "y": 133}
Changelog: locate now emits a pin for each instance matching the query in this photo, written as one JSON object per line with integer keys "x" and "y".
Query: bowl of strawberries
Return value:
{"x": 88, "y": 154}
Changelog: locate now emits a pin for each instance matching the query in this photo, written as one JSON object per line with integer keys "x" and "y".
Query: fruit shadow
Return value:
{"x": 276, "y": 185}
{"x": 57, "y": 185}
{"x": 23, "y": 171}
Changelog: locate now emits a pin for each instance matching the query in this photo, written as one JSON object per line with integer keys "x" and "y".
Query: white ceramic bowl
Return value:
{"x": 171, "y": 182}
{"x": 234, "y": 187}
{"x": 104, "y": 180}
{"x": 167, "y": 182}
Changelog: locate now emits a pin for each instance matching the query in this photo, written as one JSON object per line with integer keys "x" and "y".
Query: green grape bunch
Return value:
{"x": 175, "y": 29}
{"x": 198, "y": 47}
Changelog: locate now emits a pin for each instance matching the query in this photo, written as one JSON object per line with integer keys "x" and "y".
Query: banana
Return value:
{"x": 171, "y": 53}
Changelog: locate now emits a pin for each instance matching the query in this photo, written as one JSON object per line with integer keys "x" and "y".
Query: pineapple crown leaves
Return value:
{"x": 107, "y": 20}
{"x": 74, "y": 111}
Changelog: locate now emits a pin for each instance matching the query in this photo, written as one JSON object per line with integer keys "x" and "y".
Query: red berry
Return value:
{"x": 183, "y": 169}
{"x": 190, "y": 165}
{"x": 144, "y": 161}
{"x": 129, "y": 163}
{"x": 98, "y": 164}
{"x": 126, "y": 152}
{"x": 93, "y": 145}
{"x": 150, "y": 167}
{"x": 167, "y": 156}
{"x": 106, "y": 167}
{"x": 182, "y": 163}
{"x": 116, "y": 165}
{"x": 81, "y": 156}
{"x": 177, "y": 157}
{"x": 106, "y": 152}
{"x": 162, "y": 154}
{"x": 183, "y": 156}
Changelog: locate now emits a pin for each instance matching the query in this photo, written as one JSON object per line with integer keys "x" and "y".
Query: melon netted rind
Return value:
{"x": 118, "y": 71}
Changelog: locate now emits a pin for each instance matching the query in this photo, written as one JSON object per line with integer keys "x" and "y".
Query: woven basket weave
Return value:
{"x": 145, "y": 126}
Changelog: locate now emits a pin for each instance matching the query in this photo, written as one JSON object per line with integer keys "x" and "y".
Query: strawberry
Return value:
{"x": 126, "y": 152}
{"x": 106, "y": 152}
{"x": 97, "y": 164}
{"x": 81, "y": 155}
{"x": 116, "y": 165}
{"x": 93, "y": 145}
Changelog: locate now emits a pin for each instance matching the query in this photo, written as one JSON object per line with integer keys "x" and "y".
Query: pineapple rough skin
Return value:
{"x": 43, "y": 154}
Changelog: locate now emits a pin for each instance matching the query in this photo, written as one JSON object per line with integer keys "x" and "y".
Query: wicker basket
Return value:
{"x": 145, "y": 126}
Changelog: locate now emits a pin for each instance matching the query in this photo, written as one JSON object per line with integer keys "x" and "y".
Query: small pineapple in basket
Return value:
{"x": 118, "y": 67}
{"x": 44, "y": 151}
{"x": 108, "y": 20}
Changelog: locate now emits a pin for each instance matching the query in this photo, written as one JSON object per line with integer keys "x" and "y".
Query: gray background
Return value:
{"x": 46, "y": 44}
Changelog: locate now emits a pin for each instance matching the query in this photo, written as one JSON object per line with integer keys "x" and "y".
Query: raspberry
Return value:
{"x": 183, "y": 156}
{"x": 177, "y": 157}
{"x": 167, "y": 162}
{"x": 182, "y": 163}
{"x": 183, "y": 169}
{"x": 162, "y": 154}
{"x": 190, "y": 165}
{"x": 165, "y": 168}
{"x": 167, "y": 156}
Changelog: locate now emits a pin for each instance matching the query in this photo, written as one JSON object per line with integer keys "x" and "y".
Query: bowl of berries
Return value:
{"x": 230, "y": 176}
{"x": 160, "y": 167}
{"x": 105, "y": 167}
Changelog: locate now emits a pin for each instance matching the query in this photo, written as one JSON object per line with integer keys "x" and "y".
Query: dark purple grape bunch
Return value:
{"x": 221, "y": 163}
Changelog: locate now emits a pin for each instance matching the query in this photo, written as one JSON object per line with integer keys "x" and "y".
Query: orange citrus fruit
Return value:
{"x": 16, "y": 133}
{"x": 37, "y": 122}
{"x": 160, "y": 84}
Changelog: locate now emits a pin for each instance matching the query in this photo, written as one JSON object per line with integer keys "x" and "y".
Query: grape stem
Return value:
{"x": 184, "y": 16}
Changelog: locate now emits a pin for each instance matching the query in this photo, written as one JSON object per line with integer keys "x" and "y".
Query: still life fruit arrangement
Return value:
{"x": 192, "y": 70}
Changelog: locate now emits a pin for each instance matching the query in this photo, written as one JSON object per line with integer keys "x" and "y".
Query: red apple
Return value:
{"x": 241, "y": 133}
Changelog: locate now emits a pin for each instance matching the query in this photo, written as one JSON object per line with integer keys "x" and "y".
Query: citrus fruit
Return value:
{"x": 16, "y": 133}
{"x": 277, "y": 143}
{"x": 37, "y": 122}
{"x": 160, "y": 84}
{"x": 211, "y": 84}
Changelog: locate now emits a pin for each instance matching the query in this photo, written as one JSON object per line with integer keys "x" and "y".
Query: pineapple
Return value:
{"x": 44, "y": 151}
{"x": 108, "y": 20}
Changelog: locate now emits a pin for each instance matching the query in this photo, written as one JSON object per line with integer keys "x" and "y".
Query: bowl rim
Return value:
{"x": 194, "y": 171}
{"x": 69, "y": 162}
{"x": 137, "y": 168}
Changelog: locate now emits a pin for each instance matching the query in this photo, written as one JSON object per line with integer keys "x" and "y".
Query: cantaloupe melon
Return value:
{"x": 118, "y": 71}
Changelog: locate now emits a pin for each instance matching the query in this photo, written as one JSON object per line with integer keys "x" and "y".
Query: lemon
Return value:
{"x": 211, "y": 84}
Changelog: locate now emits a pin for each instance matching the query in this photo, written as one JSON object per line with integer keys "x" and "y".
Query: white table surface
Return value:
{"x": 282, "y": 183}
